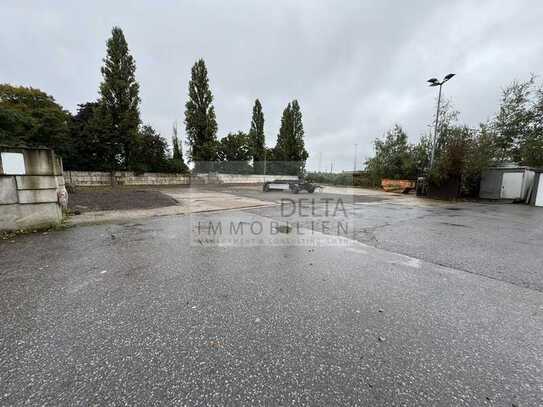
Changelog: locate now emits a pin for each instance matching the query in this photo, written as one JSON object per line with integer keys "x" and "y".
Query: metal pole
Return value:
{"x": 320, "y": 161}
{"x": 355, "y": 154}
{"x": 435, "y": 128}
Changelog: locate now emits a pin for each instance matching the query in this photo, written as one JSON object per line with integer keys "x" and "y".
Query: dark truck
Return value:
{"x": 293, "y": 186}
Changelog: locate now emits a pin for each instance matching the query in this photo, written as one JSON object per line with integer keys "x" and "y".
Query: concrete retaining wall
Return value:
{"x": 96, "y": 179}
{"x": 217, "y": 178}
{"x": 29, "y": 192}
{"x": 251, "y": 179}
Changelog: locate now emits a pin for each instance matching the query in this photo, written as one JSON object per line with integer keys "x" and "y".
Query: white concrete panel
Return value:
{"x": 13, "y": 163}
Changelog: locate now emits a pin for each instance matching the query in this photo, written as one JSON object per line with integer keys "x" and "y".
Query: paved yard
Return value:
{"x": 415, "y": 303}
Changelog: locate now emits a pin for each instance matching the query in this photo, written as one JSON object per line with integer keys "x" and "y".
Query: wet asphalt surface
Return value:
{"x": 405, "y": 308}
{"x": 500, "y": 241}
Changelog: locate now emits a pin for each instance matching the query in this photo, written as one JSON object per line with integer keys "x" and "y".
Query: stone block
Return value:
{"x": 36, "y": 182}
{"x": 37, "y": 196}
{"x": 8, "y": 190}
{"x": 18, "y": 216}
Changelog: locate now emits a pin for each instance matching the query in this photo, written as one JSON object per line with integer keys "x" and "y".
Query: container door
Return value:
{"x": 512, "y": 185}
{"x": 490, "y": 185}
{"x": 539, "y": 197}
{"x": 528, "y": 184}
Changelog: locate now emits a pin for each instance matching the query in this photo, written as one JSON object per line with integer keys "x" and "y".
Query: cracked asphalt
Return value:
{"x": 411, "y": 305}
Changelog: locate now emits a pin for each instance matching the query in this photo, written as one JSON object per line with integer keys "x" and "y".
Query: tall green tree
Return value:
{"x": 531, "y": 146}
{"x": 153, "y": 152}
{"x": 480, "y": 151}
{"x": 257, "y": 138}
{"x": 200, "y": 120}
{"x": 394, "y": 157}
{"x": 32, "y": 117}
{"x": 518, "y": 125}
{"x": 234, "y": 153}
{"x": 290, "y": 149}
{"x": 175, "y": 143}
{"x": 420, "y": 156}
{"x": 177, "y": 157}
{"x": 512, "y": 124}
{"x": 119, "y": 100}
{"x": 451, "y": 155}
{"x": 90, "y": 139}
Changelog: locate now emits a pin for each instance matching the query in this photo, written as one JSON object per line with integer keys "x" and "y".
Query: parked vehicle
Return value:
{"x": 294, "y": 186}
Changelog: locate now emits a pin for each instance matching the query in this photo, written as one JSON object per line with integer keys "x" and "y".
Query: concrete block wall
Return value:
{"x": 218, "y": 178}
{"x": 29, "y": 195}
{"x": 154, "y": 178}
{"x": 97, "y": 179}
{"x": 250, "y": 178}
{"x": 87, "y": 178}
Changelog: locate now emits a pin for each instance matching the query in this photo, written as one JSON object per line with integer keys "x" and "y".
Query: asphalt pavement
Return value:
{"x": 406, "y": 308}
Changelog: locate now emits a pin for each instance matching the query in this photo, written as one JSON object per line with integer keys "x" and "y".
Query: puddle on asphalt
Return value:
{"x": 283, "y": 228}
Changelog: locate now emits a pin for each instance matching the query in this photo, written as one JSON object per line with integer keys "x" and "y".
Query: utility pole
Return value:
{"x": 355, "y": 154}
{"x": 320, "y": 161}
{"x": 435, "y": 82}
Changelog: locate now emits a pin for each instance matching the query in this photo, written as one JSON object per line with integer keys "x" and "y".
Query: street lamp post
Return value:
{"x": 435, "y": 82}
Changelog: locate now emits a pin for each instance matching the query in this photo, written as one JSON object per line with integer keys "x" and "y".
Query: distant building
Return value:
{"x": 507, "y": 181}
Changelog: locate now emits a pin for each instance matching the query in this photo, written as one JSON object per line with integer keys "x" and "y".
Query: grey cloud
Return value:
{"x": 356, "y": 67}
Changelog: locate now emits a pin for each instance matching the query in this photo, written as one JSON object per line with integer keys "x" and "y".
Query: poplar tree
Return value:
{"x": 290, "y": 148}
{"x": 119, "y": 100}
{"x": 177, "y": 157}
{"x": 257, "y": 138}
{"x": 200, "y": 120}
{"x": 175, "y": 142}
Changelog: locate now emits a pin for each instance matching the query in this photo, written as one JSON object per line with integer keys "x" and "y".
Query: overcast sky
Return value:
{"x": 356, "y": 67}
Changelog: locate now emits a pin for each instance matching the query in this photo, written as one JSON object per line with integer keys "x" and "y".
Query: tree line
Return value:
{"x": 240, "y": 152}
{"x": 109, "y": 135}
{"x": 513, "y": 134}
